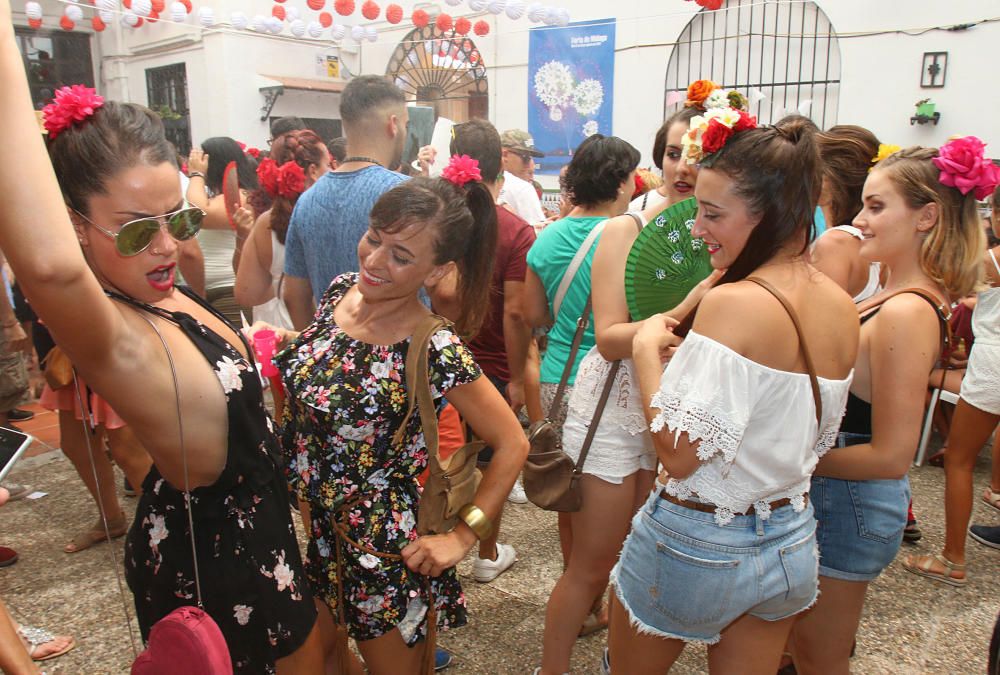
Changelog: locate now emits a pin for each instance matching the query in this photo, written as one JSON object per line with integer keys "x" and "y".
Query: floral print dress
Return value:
{"x": 347, "y": 399}
{"x": 252, "y": 581}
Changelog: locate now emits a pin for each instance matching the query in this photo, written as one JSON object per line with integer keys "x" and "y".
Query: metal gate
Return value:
{"x": 785, "y": 50}
{"x": 166, "y": 91}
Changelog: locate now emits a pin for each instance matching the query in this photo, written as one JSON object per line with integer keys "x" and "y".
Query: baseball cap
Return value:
{"x": 521, "y": 141}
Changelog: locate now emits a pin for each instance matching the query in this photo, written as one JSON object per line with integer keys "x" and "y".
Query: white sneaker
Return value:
{"x": 517, "y": 495}
{"x": 485, "y": 571}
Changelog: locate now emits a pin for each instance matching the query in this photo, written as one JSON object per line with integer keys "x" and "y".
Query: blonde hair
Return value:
{"x": 952, "y": 252}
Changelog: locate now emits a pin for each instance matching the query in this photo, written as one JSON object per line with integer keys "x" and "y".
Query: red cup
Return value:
{"x": 265, "y": 343}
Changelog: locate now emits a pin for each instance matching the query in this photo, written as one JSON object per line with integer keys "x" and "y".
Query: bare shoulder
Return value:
{"x": 731, "y": 314}
{"x": 836, "y": 241}
{"x": 907, "y": 311}
{"x": 620, "y": 228}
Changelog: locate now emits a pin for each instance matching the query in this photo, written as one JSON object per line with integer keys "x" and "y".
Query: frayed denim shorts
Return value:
{"x": 683, "y": 576}
{"x": 860, "y": 522}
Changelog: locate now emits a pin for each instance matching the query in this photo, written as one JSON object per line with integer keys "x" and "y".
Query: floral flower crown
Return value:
{"x": 71, "y": 105}
{"x": 884, "y": 151}
{"x": 461, "y": 169}
{"x": 706, "y": 94}
{"x": 287, "y": 180}
{"x": 965, "y": 167}
{"x": 709, "y": 132}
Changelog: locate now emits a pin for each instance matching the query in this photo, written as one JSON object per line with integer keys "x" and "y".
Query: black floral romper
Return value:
{"x": 346, "y": 400}
{"x": 251, "y": 572}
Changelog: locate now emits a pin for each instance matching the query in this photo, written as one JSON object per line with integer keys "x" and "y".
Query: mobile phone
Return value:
{"x": 12, "y": 445}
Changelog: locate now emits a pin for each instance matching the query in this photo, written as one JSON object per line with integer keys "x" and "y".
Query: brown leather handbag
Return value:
{"x": 551, "y": 477}
{"x": 452, "y": 482}
{"x": 58, "y": 369}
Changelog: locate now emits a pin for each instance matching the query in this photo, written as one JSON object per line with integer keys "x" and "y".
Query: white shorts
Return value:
{"x": 981, "y": 384}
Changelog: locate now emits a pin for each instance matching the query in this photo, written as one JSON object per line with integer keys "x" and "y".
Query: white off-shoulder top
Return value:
{"x": 756, "y": 427}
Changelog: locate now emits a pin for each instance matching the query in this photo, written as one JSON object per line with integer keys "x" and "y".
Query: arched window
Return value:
{"x": 443, "y": 70}
{"x": 786, "y": 50}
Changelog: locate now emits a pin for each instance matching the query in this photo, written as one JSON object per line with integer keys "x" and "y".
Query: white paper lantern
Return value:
{"x": 239, "y": 20}
{"x": 315, "y": 29}
{"x": 106, "y": 5}
{"x": 142, "y": 7}
{"x": 454, "y": 3}
{"x": 298, "y": 28}
{"x": 551, "y": 16}
{"x": 33, "y": 10}
{"x": 563, "y": 17}
{"x": 206, "y": 17}
{"x": 74, "y": 13}
{"x": 537, "y": 12}
{"x": 274, "y": 25}
{"x": 358, "y": 33}
{"x": 291, "y": 14}
{"x": 130, "y": 19}
{"x": 515, "y": 9}
{"x": 258, "y": 24}
{"x": 178, "y": 12}
{"x": 338, "y": 32}
{"x": 497, "y": 6}
{"x": 478, "y": 5}
{"x": 371, "y": 33}
{"x": 107, "y": 16}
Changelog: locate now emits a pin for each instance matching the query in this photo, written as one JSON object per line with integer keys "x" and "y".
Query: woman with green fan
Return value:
{"x": 723, "y": 552}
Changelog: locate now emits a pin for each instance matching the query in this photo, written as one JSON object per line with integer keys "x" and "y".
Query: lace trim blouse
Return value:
{"x": 755, "y": 426}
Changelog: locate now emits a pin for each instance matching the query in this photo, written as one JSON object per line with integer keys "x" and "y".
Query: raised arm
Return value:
{"x": 35, "y": 229}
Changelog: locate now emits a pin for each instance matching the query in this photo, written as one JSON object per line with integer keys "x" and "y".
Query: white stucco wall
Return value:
{"x": 880, "y": 74}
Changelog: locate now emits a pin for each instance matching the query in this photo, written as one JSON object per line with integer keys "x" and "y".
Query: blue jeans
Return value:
{"x": 683, "y": 576}
{"x": 861, "y": 522}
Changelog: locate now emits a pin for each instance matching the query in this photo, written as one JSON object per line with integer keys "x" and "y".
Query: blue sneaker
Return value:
{"x": 606, "y": 662}
{"x": 442, "y": 659}
{"x": 985, "y": 535}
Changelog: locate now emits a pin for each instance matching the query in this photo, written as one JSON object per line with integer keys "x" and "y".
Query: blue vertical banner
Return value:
{"x": 571, "y": 79}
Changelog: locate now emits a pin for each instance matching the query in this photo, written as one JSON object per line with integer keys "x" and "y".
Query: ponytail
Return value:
{"x": 475, "y": 265}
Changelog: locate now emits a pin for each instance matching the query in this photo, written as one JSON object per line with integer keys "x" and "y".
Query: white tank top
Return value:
{"x": 874, "y": 269}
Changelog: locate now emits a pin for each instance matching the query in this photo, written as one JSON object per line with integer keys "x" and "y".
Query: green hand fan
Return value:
{"x": 665, "y": 262}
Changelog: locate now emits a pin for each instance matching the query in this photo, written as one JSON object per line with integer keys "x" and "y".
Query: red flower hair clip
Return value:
{"x": 965, "y": 167}
{"x": 291, "y": 180}
{"x": 71, "y": 104}
{"x": 267, "y": 174}
{"x": 461, "y": 169}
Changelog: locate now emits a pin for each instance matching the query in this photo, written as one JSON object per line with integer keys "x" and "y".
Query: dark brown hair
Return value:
{"x": 775, "y": 171}
{"x": 365, "y": 94}
{"x": 465, "y": 224}
{"x": 306, "y": 149}
{"x": 117, "y": 137}
{"x": 222, "y": 150}
{"x": 660, "y": 141}
{"x": 480, "y": 140}
{"x": 599, "y": 167}
{"x": 846, "y": 152}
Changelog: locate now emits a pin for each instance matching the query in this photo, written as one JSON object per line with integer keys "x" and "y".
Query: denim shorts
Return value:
{"x": 860, "y": 522}
{"x": 682, "y": 576}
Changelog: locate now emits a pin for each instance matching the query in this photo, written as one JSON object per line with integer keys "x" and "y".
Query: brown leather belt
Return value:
{"x": 710, "y": 508}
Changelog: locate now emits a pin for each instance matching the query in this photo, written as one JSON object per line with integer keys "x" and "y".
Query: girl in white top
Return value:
{"x": 846, "y": 152}
{"x": 261, "y": 258}
{"x": 724, "y": 550}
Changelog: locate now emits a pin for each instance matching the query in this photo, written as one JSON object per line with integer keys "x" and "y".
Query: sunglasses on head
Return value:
{"x": 135, "y": 236}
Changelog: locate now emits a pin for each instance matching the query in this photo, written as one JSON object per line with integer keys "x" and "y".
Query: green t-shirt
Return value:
{"x": 549, "y": 257}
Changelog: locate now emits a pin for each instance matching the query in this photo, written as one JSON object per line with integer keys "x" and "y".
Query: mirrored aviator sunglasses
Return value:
{"x": 135, "y": 236}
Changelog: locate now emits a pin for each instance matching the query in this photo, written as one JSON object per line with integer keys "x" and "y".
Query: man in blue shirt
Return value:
{"x": 331, "y": 217}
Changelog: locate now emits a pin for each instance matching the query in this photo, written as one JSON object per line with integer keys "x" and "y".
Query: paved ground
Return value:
{"x": 910, "y": 625}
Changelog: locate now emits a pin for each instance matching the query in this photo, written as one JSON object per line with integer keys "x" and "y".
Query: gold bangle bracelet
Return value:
{"x": 477, "y": 521}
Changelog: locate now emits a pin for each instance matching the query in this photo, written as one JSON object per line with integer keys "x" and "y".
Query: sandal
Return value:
{"x": 37, "y": 637}
{"x": 96, "y": 534}
{"x": 592, "y": 624}
{"x": 992, "y": 497}
{"x": 922, "y": 564}
{"x": 912, "y": 532}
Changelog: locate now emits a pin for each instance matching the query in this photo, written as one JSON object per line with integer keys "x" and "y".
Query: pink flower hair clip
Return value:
{"x": 71, "y": 104}
{"x": 461, "y": 169}
{"x": 965, "y": 167}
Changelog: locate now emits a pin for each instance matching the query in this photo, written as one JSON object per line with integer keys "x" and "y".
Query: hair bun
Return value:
{"x": 796, "y": 128}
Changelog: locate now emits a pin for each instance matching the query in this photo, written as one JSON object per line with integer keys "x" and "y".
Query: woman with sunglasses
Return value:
{"x": 96, "y": 254}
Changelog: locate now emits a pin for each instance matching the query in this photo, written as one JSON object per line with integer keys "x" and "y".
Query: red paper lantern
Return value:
{"x": 187, "y": 5}
{"x": 393, "y": 13}
{"x": 138, "y": 23}
{"x": 127, "y": 3}
{"x": 159, "y": 6}
{"x": 66, "y": 23}
{"x": 153, "y": 17}
{"x": 278, "y": 12}
{"x": 343, "y": 7}
{"x": 35, "y": 23}
{"x": 370, "y": 10}
{"x": 444, "y": 22}
{"x": 481, "y": 28}
{"x": 279, "y": 0}
{"x": 420, "y": 18}
{"x": 462, "y": 25}
{"x": 326, "y": 19}
{"x": 97, "y": 24}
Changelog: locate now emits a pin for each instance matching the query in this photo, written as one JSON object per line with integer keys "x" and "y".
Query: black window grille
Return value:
{"x": 166, "y": 92}
{"x": 442, "y": 69}
{"x": 53, "y": 60}
{"x": 785, "y": 49}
